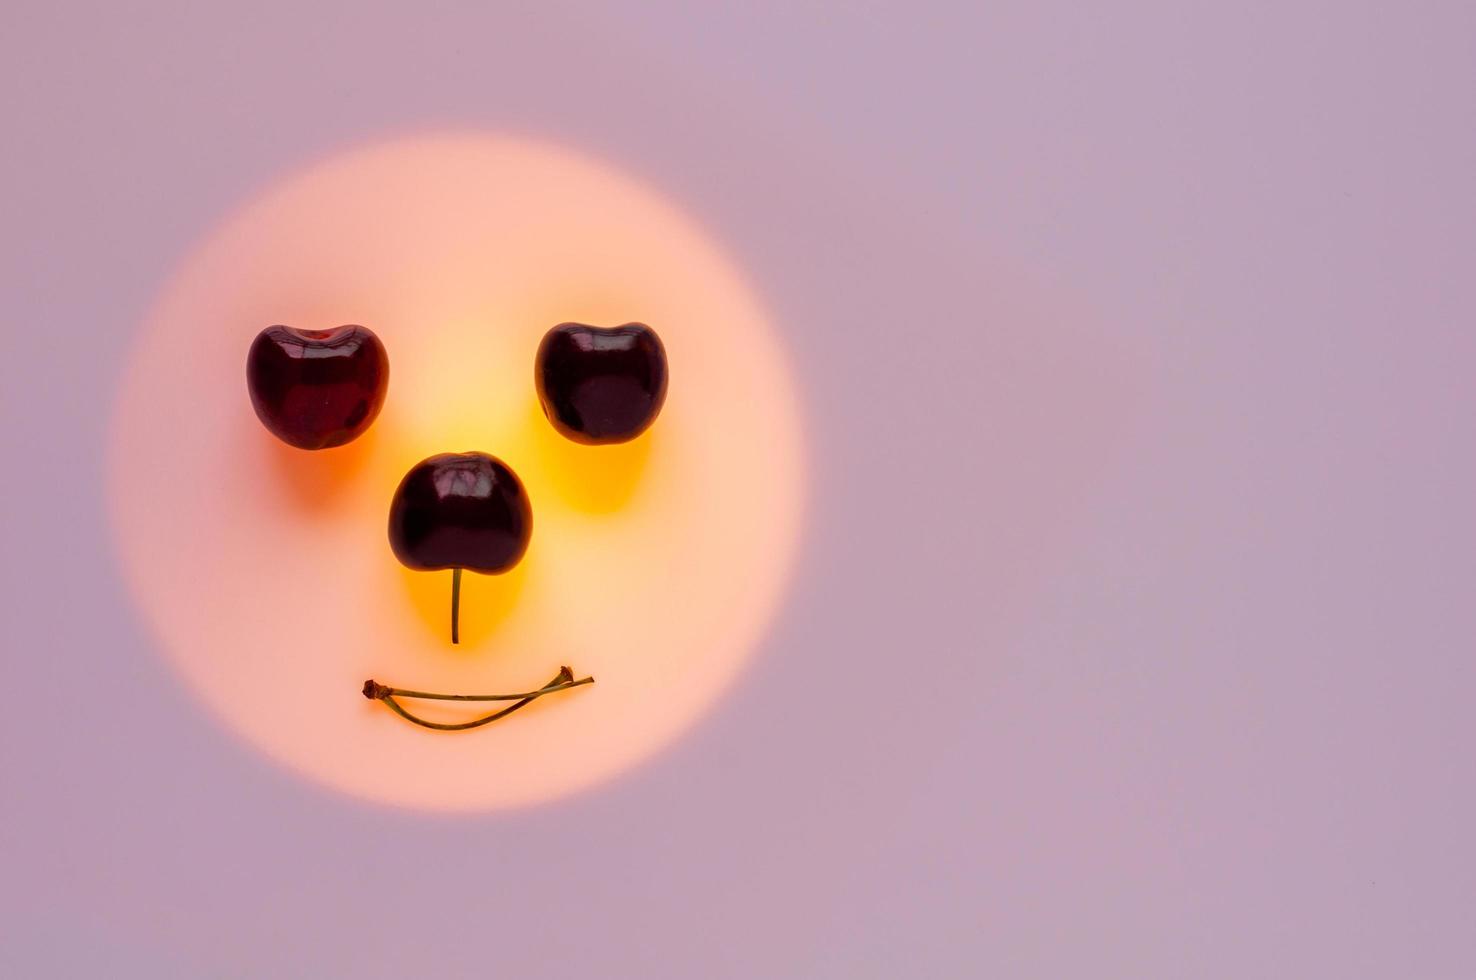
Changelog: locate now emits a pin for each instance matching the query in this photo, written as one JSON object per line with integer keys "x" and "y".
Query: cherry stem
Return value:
{"x": 373, "y": 689}
{"x": 376, "y": 691}
{"x": 455, "y": 605}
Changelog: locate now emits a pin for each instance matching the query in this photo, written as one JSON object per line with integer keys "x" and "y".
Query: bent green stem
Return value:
{"x": 376, "y": 691}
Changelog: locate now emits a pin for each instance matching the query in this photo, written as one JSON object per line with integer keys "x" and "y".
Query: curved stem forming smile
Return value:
{"x": 375, "y": 691}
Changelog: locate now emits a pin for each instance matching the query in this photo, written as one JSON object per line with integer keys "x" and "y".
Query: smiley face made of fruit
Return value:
{"x": 316, "y": 389}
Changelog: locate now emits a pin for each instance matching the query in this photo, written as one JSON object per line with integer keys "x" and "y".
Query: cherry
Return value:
{"x": 601, "y": 385}
{"x": 315, "y": 389}
{"x": 456, "y": 511}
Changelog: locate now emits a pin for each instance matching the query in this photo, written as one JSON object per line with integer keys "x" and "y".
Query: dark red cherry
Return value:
{"x": 314, "y": 389}
{"x": 601, "y": 385}
{"x": 460, "y": 510}
{"x": 456, "y": 511}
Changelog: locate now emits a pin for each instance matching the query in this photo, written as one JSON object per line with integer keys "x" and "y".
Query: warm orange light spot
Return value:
{"x": 315, "y": 480}
{"x": 486, "y": 601}
{"x": 266, "y": 572}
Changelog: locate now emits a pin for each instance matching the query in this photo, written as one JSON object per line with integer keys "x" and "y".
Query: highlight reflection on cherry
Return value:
{"x": 456, "y": 511}
{"x": 315, "y": 389}
{"x": 601, "y": 385}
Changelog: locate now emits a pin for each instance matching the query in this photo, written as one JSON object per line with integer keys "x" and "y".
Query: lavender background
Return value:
{"x": 1133, "y": 631}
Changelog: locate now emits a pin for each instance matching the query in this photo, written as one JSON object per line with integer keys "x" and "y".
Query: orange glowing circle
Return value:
{"x": 266, "y": 571}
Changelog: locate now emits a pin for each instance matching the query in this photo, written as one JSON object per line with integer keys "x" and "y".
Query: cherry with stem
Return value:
{"x": 460, "y": 511}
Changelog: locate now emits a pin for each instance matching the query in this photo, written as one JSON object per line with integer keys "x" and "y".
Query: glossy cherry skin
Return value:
{"x": 315, "y": 389}
{"x": 601, "y": 385}
{"x": 460, "y": 510}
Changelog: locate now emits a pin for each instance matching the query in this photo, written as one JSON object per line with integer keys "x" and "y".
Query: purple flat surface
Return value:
{"x": 1133, "y": 630}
